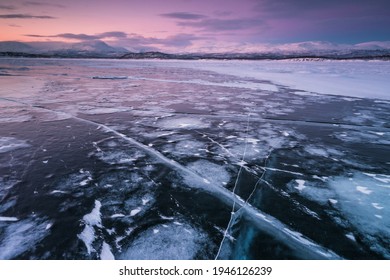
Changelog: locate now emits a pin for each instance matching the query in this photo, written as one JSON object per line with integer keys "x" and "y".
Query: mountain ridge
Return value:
{"x": 100, "y": 49}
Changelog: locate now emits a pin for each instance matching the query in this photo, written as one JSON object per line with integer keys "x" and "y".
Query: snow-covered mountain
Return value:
{"x": 12, "y": 46}
{"x": 94, "y": 47}
{"x": 88, "y": 48}
{"x": 310, "y": 50}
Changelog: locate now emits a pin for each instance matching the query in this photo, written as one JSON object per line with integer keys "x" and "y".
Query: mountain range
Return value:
{"x": 100, "y": 49}
{"x": 59, "y": 49}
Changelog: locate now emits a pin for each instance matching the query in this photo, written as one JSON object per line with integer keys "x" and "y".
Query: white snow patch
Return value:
{"x": 380, "y": 177}
{"x": 364, "y": 190}
{"x": 182, "y": 122}
{"x": 90, "y": 220}
{"x": 135, "y": 211}
{"x": 145, "y": 200}
{"x": 117, "y": 216}
{"x": 351, "y": 237}
{"x": 301, "y": 184}
{"x": 166, "y": 218}
{"x": 106, "y": 253}
{"x": 377, "y": 206}
{"x": 8, "y": 219}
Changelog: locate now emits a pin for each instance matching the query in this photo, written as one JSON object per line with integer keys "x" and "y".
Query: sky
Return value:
{"x": 197, "y": 25}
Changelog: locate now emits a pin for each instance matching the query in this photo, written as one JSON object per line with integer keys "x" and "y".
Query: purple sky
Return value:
{"x": 196, "y": 25}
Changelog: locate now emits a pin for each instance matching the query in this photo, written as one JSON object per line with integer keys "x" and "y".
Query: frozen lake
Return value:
{"x": 103, "y": 159}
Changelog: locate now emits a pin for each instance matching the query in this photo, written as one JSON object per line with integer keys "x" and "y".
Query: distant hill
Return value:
{"x": 100, "y": 49}
{"x": 12, "y": 46}
{"x": 56, "y": 49}
{"x": 307, "y": 55}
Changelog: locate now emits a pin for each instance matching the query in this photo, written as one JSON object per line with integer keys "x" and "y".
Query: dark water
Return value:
{"x": 151, "y": 167}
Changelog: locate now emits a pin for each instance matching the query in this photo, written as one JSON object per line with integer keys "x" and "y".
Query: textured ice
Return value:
{"x": 142, "y": 151}
{"x": 128, "y": 157}
{"x": 174, "y": 242}
{"x": 356, "y": 136}
{"x": 212, "y": 172}
{"x": 21, "y": 236}
{"x": 9, "y": 144}
{"x": 102, "y": 110}
{"x": 360, "y": 200}
{"x": 182, "y": 123}
{"x": 322, "y": 151}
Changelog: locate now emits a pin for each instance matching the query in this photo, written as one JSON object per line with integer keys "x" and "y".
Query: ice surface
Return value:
{"x": 182, "y": 123}
{"x": 172, "y": 146}
{"x": 359, "y": 199}
{"x": 9, "y": 144}
{"x": 174, "y": 242}
{"x": 346, "y": 78}
{"x": 214, "y": 173}
{"x": 20, "y": 236}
